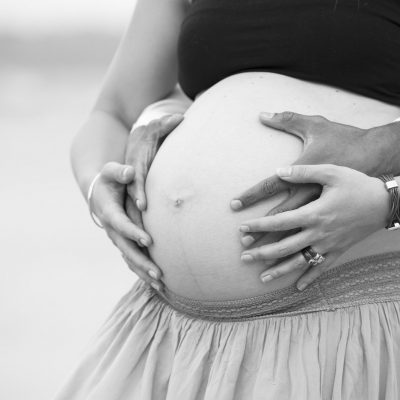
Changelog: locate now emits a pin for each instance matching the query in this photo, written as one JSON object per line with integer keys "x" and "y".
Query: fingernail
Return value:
{"x": 125, "y": 172}
{"x": 267, "y": 115}
{"x": 244, "y": 228}
{"x": 247, "y": 258}
{"x": 153, "y": 274}
{"x": 236, "y": 204}
{"x": 139, "y": 205}
{"x": 302, "y": 286}
{"x": 285, "y": 171}
{"x": 267, "y": 278}
{"x": 247, "y": 240}
{"x": 144, "y": 242}
{"x": 155, "y": 286}
{"x": 175, "y": 118}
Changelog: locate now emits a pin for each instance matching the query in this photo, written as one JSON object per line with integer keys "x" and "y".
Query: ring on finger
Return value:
{"x": 312, "y": 257}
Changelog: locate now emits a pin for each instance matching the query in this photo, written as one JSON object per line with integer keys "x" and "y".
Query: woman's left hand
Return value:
{"x": 351, "y": 207}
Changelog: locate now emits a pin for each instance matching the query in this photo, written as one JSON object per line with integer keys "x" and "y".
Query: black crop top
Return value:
{"x": 351, "y": 44}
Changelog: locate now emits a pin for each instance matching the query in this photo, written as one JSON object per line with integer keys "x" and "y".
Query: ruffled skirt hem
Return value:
{"x": 148, "y": 350}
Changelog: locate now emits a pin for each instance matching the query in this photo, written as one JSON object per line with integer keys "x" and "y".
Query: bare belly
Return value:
{"x": 220, "y": 150}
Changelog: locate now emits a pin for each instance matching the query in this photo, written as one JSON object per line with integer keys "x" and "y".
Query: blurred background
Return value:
{"x": 60, "y": 276}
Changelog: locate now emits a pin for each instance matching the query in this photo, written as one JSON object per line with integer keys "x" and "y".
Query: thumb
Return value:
{"x": 324, "y": 174}
{"x": 290, "y": 122}
{"x": 113, "y": 171}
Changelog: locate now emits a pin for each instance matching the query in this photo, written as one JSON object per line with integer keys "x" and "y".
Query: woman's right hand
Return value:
{"x": 108, "y": 204}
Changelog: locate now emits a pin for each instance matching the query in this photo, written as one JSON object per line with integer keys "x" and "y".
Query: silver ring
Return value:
{"x": 312, "y": 257}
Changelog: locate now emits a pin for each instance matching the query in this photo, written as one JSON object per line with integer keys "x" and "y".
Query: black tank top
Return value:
{"x": 351, "y": 44}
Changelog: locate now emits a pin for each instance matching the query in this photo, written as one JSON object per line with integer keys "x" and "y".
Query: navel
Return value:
{"x": 178, "y": 202}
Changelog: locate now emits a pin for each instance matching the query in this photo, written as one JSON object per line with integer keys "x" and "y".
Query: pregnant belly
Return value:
{"x": 218, "y": 151}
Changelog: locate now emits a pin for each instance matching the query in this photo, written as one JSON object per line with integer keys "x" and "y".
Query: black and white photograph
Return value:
{"x": 201, "y": 200}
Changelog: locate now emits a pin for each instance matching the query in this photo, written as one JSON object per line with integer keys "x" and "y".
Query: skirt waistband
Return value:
{"x": 372, "y": 279}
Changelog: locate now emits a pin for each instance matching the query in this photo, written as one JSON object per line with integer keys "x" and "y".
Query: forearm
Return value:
{"x": 386, "y": 142}
{"x": 101, "y": 139}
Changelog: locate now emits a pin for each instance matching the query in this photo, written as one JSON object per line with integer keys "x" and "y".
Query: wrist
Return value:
{"x": 381, "y": 199}
{"x": 392, "y": 187}
{"x": 385, "y": 140}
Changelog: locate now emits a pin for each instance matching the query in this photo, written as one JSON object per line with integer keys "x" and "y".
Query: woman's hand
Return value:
{"x": 143, "y": 144}
{"x": 351, "y": 207}
{"x": 108, "y": 204}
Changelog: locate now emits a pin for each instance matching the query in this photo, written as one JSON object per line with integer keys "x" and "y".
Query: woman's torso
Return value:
{"x": 220, "y": 150}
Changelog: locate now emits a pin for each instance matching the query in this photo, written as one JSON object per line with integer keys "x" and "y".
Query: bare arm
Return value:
{"x": 144, "y": 70}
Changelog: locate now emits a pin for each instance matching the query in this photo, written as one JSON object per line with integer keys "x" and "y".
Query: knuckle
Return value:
{"x": 299, "y": 264}
{"x": 311, "y": 218}
{"x": 287, "y": 116}
{"x": 248, "y": 198}
{"x": 283, "y": 250}
{"x": 302, "y": 171}
{"x": 274, "y": 226}
{"x": 331, "y": 171}
{"x": 269, "y": 187}
{"x": 133, "y": 263}
{"x": 276, "y": 273}
{"x": 134, "y": 268}
{"x": 130, "y": 262}
{"x": 258, "y": 225}
{"x": 319, "y": 119}
{"x": 255, "y": 254}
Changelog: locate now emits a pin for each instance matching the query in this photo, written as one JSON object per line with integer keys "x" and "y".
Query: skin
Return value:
{"x": 120, "y": 213}
{"x": 352, "y": 204}
{"x": 144, "y": 70}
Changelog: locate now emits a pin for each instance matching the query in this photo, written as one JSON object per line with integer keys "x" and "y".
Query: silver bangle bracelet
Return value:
{"x": 394, "y": 214}
{"x": 94, "y": 217}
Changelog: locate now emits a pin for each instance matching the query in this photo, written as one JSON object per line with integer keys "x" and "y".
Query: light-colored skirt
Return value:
{"x": 337, "y": 340}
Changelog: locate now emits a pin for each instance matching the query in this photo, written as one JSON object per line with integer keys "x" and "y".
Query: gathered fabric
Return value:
{"x": 337, "y": 340}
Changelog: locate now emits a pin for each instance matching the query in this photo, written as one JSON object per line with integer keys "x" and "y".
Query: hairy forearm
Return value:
{"x": 101, "y": 139}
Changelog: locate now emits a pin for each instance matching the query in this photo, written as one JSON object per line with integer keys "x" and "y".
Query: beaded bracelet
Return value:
{"x": 89, "y": 201}
{"x": 393, "y": 189}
